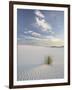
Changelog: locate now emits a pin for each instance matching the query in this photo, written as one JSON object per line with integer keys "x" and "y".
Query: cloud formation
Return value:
{"x": 39, "y": 14}
{"x": 28, "y": 32}
{"x": 34, "y": 34}
{"x": 43, "y": 24}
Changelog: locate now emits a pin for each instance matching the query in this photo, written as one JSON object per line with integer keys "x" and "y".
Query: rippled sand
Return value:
{"x": 42, "y": 72}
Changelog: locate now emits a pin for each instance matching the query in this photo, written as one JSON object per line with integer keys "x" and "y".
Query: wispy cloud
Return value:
{"x": 39, "y": 14}
{"x": 43, "y": 24}
{"x": 28, "y": 32}
{"x": 46, "y": 41}
{"x": 25, "y": 32}
{"x": 36, "y": 34}
{"x": 32, "y": 33}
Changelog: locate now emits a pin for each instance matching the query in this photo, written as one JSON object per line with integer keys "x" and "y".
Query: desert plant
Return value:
{"x": 48, "y": 60}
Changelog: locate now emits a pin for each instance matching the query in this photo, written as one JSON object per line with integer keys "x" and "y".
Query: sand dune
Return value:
{"x": 31, "y": 63}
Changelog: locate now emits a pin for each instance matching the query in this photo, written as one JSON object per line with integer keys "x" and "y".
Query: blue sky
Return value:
{"x": 40, "y": 27}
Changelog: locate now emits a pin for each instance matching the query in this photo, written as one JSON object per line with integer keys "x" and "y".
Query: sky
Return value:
{"x": 40, "y": 27}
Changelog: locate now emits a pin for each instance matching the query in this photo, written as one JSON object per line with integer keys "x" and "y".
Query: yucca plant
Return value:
{"x": 48, "y": 60}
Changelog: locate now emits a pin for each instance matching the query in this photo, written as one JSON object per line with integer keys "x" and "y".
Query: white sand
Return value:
{"x": 31, "y": 64}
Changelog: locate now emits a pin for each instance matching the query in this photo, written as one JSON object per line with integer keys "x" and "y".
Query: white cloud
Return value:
{"x": 30, "y": 31}
{"x": 32, "y": 38}
{"x": 35, "y": 34}
{"x": 26, "y": 32}
{"x": 39, "y": 14}
{"x": 43, "y": 24}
